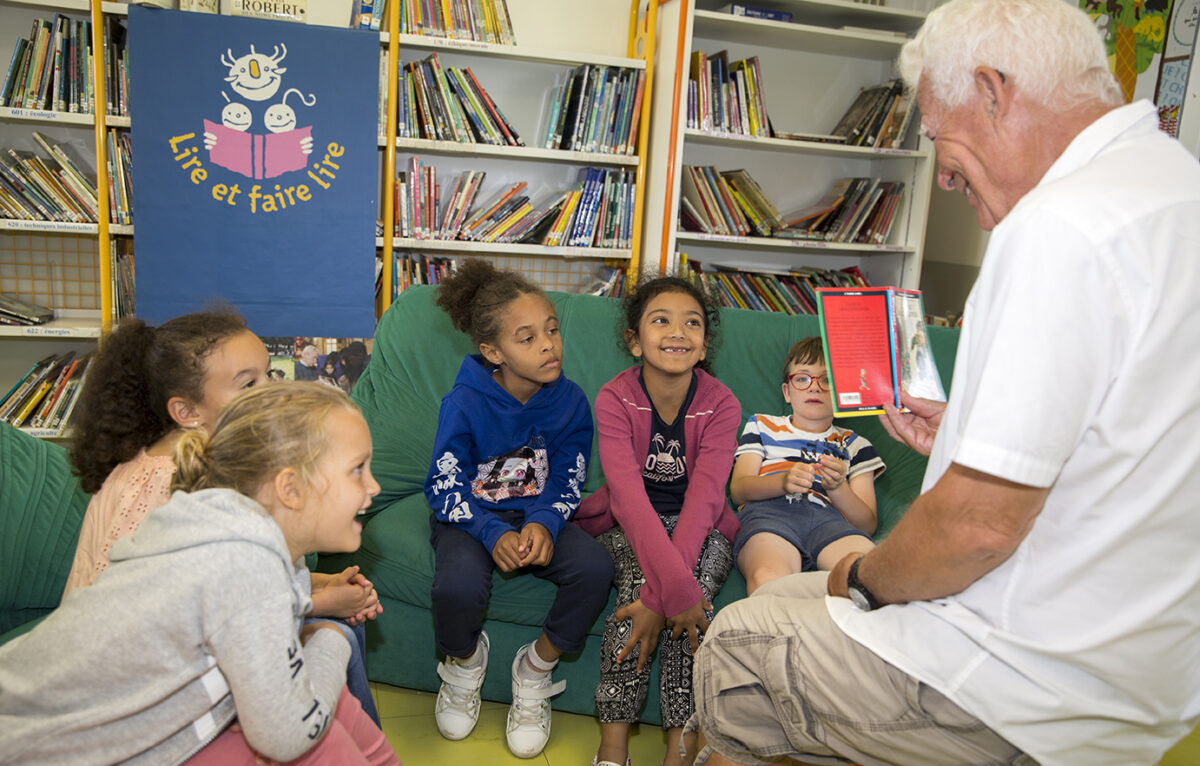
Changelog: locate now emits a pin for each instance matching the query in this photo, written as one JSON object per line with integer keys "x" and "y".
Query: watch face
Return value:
{"x": 859, "y": 599}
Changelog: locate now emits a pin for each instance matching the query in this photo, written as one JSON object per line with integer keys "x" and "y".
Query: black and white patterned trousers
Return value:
{"x": 622, "y": 691}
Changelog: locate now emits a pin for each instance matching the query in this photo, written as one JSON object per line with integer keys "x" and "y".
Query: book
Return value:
{"x": 754, "y": 12}
{"x": 23, "y": 312}
{"x": 256, "y": 155}
{"x": 875, "y": 347}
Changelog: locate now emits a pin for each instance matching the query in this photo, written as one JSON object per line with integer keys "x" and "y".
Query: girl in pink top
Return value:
{"x": 667, "y": 432}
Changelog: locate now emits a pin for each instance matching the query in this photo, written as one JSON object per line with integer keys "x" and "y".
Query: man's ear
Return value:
{"x": 993, "y": 89}
{"x": 183, "y": 412}
{"x": 491, "y": 353}
{"x": 289, "y": 489}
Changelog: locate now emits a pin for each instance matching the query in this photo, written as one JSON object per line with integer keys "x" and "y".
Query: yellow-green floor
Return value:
{"x": 407, "y": 717}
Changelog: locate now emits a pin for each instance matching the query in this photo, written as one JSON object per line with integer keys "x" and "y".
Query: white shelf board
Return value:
{"x": 783, "y": 244}
{"x": 426, "y": 146}
{"x": 70, "y": 5}
{"x": 504, "y": 248}
{"x": 67, "y": 328}
{"x": 511, "y": 52}
{"x": 757, "y": 33}
{"x": 838, "y": 13}
{"x": 754, "y": 143}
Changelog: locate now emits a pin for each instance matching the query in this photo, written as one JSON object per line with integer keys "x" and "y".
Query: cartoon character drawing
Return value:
{"x": 255, "y": 76}
{"x": 281, "y": 118}
{"x": 513, "y": 470}
{"x": 235, "y": 116}
{"x": 280, "y": 147}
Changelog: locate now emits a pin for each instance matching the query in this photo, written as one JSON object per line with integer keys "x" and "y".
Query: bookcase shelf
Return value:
{"x": 78, "y": 253}
{"x": 754, "y": 143}
{"x": 505, "y": 248}
{"x": 811, "y": 70}
{"x": 509, "y": 52}
{"x": 422, "y": 146}
{"x": 519, "y": 79}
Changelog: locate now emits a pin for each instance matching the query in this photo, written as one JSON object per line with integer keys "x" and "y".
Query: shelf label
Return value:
{"x": 82, "y": 228}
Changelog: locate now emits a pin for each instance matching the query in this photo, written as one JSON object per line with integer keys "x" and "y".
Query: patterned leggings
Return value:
{"x": 621, "y": 693}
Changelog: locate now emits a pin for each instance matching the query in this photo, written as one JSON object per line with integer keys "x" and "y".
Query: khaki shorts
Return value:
{"x": 776, "y": 677}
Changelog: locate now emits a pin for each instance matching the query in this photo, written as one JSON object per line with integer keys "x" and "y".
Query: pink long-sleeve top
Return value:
{"x": 623, "y": 422}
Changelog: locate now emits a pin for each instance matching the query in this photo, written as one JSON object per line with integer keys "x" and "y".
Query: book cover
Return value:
{"x": 256, "y": 155}
{"x": 875, "y": 346}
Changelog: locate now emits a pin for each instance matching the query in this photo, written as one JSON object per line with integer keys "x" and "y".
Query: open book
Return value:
{"x": 876, "y": 346}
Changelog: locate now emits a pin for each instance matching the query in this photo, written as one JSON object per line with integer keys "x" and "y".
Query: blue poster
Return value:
{"x": 255, "y": 170}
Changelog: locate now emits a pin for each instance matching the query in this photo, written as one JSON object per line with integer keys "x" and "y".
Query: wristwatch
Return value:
{"x": 862, "y": 596}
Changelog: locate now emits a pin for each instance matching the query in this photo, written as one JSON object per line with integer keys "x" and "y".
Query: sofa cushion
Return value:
{"x": 41, "y": 510}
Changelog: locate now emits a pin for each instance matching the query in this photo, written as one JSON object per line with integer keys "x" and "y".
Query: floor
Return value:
{"x": 407, "y": 717}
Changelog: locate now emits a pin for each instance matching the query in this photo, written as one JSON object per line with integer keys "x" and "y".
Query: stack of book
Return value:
{"x": 727, "y": 97}
{"x": 449, "y": 104}
{"x": 45, "y": 396}
{"x": 52, "y": 68}
{"x": 484, "y": 21}
{"x": 729, "y": 203}
{"x": 596, "y": 109}
{"x": 120, "y": 253}
{"x": 855, "y": 210}
{"x": 418, "y": 269}
{"x": 120, "y": 177}
{"x": 14, "y": 311}
{"x": 789, "y": 293}
{"x": 597, "y": 212}
{"x": 50, "y": 188}
{"x": 878, "y": 117}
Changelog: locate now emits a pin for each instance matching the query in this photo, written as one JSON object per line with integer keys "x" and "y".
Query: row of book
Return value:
{"x": 14, "y": 311}
{"x": 727, "y": 97}
{"x": 788, "y": 293}
{"x": 609, "y": 282}
{"x": 53, "y": 187}
{"x": 120, "y": 177}
{"x": 120, "y": 253}
{"x": 45, "y": 396}
{"x": 597, "y": 212}
{"x": 52, "y": 68}
{"x": 485, "y": 21}
{"x": 878, "y": 117}
{"x": 857, "y": 210}
{"x": 418, "y": 269}
{"x": 725, "y": 202}
{"x": 596, "y": 109}
{"x": 449, "y": 104}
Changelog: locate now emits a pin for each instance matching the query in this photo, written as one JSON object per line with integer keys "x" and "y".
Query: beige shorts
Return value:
{"x": 776, "y": 677}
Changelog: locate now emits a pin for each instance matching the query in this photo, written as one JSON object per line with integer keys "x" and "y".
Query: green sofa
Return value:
{"x": 414, "y": 362}
{"x": 41, "y": 509}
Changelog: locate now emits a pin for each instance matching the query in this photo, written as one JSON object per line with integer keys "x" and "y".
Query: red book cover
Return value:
{"x": 860, "y": 354}
{"x": 257, "y": 155}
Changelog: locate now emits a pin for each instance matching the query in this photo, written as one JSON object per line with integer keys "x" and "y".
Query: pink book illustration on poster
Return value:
{"x": 257, "y": 155}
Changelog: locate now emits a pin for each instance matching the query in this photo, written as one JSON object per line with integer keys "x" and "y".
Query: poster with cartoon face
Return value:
{"x": 254, "y": 169}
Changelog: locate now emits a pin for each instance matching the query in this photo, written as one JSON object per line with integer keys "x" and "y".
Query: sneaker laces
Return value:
{"x": 529, "y": 700}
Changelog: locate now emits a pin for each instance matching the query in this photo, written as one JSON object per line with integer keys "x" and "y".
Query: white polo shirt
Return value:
{"x": 1078, "y": 369}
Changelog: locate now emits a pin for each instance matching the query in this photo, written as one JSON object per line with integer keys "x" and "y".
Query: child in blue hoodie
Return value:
{"x": 509, "y": 461}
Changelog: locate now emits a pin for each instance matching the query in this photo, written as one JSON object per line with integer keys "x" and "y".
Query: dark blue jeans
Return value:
{"x": 462, "y": 584}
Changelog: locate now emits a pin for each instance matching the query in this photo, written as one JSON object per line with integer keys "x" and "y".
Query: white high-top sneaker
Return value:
{"x": 529, "y": 715}
{"x": 457, "y": 708}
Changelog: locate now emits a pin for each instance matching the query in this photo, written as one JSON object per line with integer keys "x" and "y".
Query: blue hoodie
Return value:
{"x": 493, "y": 453}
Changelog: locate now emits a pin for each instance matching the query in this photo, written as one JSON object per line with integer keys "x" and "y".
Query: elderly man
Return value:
{"x": 1040, "y": 601}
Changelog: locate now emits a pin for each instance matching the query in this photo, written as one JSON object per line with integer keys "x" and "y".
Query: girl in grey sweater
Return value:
{"x": 198, "y": 619}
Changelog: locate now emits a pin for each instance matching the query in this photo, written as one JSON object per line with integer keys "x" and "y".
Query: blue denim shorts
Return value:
{"x": 807, "y": 525}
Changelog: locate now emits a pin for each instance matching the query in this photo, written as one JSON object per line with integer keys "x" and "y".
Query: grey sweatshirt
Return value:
{"x": 195, "y": 621}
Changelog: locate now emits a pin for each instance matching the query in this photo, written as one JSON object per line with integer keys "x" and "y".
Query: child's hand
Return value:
{"x": 536, "y": 548}
{"x": 506, "y": 553}
{"x": 346, "y": 595}
{"x": 799, "y": 478}
{"x": 833, "y": 472}
{"x": 693, "y": 621}
{"x": 647, "y": 625}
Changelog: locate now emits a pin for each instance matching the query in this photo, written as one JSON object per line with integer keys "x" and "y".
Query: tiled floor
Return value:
{"x": 407, "y": 717}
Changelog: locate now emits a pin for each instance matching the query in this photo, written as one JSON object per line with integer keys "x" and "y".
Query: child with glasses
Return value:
{"x": 806, "y": 488}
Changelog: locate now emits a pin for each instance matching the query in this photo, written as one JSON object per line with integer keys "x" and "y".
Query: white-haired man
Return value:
{"x": 1040, "y": 601}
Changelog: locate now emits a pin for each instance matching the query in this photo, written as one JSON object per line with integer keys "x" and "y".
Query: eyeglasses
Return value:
{"x": 802, "y": 381}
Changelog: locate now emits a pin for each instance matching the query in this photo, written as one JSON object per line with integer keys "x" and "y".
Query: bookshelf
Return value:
{"x": 58, "y": 264}
{"x": 812, "y": 68}
{"x": 520, "y": 79}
